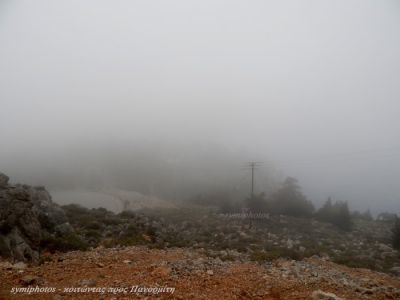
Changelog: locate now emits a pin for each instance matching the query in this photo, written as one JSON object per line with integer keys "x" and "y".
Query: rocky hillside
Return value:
{"x": 368, "y": 245}
{"x": 200, "y": 253}
{"x": 28, "y": 218}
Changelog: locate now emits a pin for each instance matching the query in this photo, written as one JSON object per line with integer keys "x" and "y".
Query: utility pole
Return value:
{"x": 252, "y": 179}
{"x": 253, "y": 165}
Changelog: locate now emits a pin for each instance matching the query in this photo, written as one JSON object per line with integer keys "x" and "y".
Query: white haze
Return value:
{"x": 311, "y": 88}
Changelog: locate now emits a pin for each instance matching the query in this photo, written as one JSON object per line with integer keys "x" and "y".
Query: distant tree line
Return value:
{"x": 289, "y": 200}
{"x": 335, "y": 213}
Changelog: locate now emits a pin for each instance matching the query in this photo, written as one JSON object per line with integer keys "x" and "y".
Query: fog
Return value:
{"x": 172, "y": 98}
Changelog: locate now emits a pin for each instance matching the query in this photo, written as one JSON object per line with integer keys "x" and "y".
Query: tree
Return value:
{"x": 325, "y": 212}
{"x": 342, "y": 217}
{"x": 289, "y": 200}
{"x": 366, "y": 216}
{"x": 337, "y": 214}
{"x": 396, "y": 234}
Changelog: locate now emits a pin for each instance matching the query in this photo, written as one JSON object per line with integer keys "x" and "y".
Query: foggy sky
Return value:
{"x": 309, "y": 87}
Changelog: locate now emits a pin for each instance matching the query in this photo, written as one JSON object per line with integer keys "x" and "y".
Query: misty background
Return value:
{"x": 172, "y": 98}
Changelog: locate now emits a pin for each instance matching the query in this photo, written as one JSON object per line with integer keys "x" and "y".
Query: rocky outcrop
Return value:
{"x": 27, "y": 215}
{"x": 3, "y": 180}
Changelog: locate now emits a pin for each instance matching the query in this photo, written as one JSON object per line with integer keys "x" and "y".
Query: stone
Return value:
{"x": 87, "y": 283}
{"x": 19, "y": 266}
{"x": 368, "y": 291}
{"x": 210, "y": 272}
{"x": 30, "y": 280}
{"x": 320, "y": 295}
{"x": 198, "y": 262}
{"x": 385, "y": 248}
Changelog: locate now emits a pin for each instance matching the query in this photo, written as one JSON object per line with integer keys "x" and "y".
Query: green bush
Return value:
{"x": 64, "y": 244}
{"x": 396, "y": 234}
{"x": 44, "y": 258}
{"x": 354, "y": 262}
{"x": 261, "y": 256}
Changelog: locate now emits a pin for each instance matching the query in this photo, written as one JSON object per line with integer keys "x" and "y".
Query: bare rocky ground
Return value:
{"x": 195, "y": 251}
{"x": 193, "y": 275}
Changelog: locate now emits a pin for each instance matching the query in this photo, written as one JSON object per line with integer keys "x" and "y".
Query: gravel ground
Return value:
{"x": 141, "y": 273}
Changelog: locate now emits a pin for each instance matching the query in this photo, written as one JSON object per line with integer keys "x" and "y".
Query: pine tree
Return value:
{"x": 337, "y": 214}
{"x": 289, "y": 200}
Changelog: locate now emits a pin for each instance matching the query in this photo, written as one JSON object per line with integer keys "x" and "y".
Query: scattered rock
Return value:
{"x": 87, "y": 283}
{"x": 320, "y": 295}
{"x": 31, "y": 279}
{"x": 175, "y": 267}
{"x": 19, "y": 266}
{"x": 6, "y": 265}
{"x": 385, "y": 248}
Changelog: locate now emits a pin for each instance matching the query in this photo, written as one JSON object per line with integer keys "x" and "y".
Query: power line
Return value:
{"x": 344, "y": 156}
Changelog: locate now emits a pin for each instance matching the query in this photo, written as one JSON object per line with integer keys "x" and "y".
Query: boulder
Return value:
{"x": 3, "y": 180}
{"x": 27, "y": 215}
